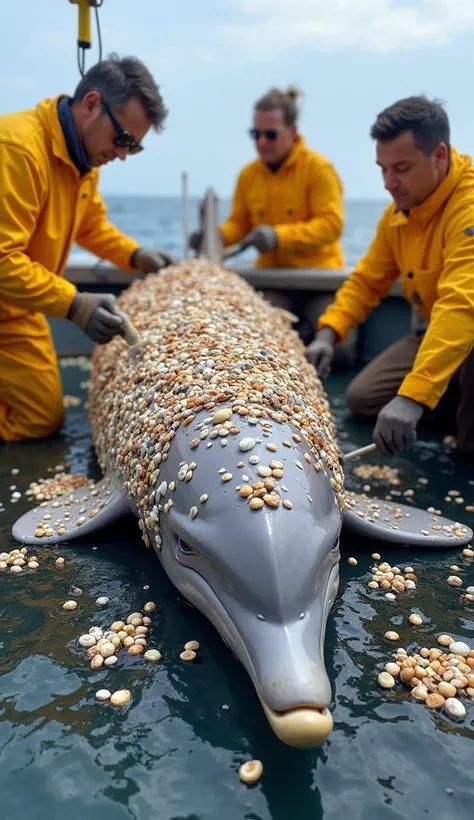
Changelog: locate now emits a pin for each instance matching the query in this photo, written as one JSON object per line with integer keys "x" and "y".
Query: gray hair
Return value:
{"x": 426, "y": 118}
{"x": 284, "y": 100}
{"x": 120, "y": 79}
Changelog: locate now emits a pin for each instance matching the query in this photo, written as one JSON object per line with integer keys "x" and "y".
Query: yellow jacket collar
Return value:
{"x": 298, "y": 148}
{"x": 435, "y": 202}
{"x": 47, "y": 111}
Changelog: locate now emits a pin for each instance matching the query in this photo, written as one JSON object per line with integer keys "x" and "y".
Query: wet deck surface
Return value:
{"x": 174, "y": 753}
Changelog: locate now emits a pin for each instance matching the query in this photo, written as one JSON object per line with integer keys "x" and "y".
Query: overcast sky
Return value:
{"x": 213, "y": 58}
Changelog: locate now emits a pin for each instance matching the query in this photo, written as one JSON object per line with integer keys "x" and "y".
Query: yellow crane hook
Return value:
{"x": 84, "y": 40}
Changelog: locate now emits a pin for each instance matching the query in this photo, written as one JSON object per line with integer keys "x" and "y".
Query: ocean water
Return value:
{"x": 157, "y": 221}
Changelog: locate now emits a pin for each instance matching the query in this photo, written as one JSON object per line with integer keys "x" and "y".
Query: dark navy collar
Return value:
{"x": 71, "y": 135}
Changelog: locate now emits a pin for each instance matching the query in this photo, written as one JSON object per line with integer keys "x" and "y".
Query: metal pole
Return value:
{"x": 211, "y": 247}
{"x": 185, "y": 213}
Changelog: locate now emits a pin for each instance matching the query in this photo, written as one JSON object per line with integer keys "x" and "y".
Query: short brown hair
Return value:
{"x": 120, "y": 79}
{"x": 284, "y": 100}
{"x": 426, "y": 118}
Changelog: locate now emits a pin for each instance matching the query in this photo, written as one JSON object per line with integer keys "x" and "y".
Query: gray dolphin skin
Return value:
{"x": 217, "y": 434}
{"x": 267, "y": 582}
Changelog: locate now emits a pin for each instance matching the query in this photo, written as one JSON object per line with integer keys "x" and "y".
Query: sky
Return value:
{"x": 213, "y": 58}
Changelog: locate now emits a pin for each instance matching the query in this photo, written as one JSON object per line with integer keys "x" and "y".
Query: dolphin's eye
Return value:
{"x": 183, "y": 546}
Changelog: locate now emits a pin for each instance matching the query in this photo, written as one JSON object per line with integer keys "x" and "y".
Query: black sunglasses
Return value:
{"x": 269, "y": 133}
{"x": 123, "y": 139}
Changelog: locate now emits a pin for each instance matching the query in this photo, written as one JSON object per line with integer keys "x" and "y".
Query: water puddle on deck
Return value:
{"x": 173, "y": 753}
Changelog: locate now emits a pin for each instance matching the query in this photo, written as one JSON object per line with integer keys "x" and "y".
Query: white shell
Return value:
{"x": 455, "y": 708}
{"x": 102, "y": 694}
{"x": 102, "y": 601}
{"x": 246, "y": 444}
{"x": 459, "y": 648}
{"x": 111, "y": 660}
{"x": 87, "y": 641}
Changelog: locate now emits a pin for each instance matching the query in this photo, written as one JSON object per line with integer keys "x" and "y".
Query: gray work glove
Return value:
{"x": 195, "y": 240}
{"x": 264, "y": 239}
{"x": 320, "y": 352}
{"x": 97, "y": 315}
{"x": 395, "y": 428}
{"x": 151, "y": 260}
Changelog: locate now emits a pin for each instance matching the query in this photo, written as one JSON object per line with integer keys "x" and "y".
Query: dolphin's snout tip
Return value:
{"x": 303, "y": 727}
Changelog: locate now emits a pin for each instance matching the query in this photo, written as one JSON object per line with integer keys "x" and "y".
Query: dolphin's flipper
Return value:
{"x": 74, "y": 515}
{"x": 396, "y": 523}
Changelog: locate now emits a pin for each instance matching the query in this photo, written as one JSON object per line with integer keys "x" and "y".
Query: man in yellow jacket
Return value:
{"x": 426, "y": 236}
{"x": 49, "y": 199}
{"x": 288, "y": 203}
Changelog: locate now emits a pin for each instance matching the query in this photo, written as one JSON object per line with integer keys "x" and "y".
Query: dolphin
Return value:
{"x": 217, "y": 435}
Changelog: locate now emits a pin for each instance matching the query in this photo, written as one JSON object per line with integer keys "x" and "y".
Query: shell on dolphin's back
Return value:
{"x": 211, "y": 343}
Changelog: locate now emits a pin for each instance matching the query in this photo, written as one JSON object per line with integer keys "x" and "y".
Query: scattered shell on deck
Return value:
{"x": 352, "y": 562}
{"x": 150, "y": 606}
{"x": 102, "y": 601}
{"x": 455, "y": 708}
{"x": 436, "y": 677}
{"x": 246, "y": 444}
{"x": 111, "y": 661}
{"x": 102, "y": 695}
{"x": 152, "y": 655}
{"x": 121, "y": 697}
{"x": 256, "y": 503}
{"x": 251, "y": 771}
{"x": 386, "y": 680}
{"x": 87, "y": 641}
{"x": 454, "y": 581}
{"x": 435, "y": 700}
{"x": 70, "y": 605}
{"x": 392, "y": 636}
{"x": 187, "y": 655}
{"x": 468, "y": 553}
{"x": 106, "y": 649}
{"x": 59, "y": 562}
{"x": 192, "y": 646}
{"x": 415, "y": 620}
{"x": 459, "y": 648}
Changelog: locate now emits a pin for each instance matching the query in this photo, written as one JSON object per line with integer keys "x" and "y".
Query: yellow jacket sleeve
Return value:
{"x": 327, "y": 214}
{"x": 450, "y": 335}
{"x": 365, "y": 287}
{"x": 98, "y": 236}
{"x": 238, "y": 224}
{"x": 25, "y": 283}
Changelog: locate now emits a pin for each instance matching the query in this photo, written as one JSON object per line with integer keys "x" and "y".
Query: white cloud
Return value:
{"x": 271, "y": 27}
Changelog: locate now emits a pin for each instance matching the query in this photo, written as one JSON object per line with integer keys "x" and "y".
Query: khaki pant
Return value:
{"x": 378, "y": 383}
{"x": 308, "y": 306}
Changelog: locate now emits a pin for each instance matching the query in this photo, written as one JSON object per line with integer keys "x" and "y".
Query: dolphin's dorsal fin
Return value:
{"x": 73, "y": 515}
{"x": 400, "y": 524}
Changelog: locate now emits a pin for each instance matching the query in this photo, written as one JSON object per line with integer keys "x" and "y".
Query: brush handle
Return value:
{"x": 232, "y": 250}
{"x": 129, "y": 332}
{"x": 362, "y": 451}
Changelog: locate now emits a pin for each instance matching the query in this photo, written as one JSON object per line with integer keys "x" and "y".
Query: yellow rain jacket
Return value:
{"x": 45, "y": 206}
{"x": 432, "y": 249}
{"x": 302, "y": 200}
